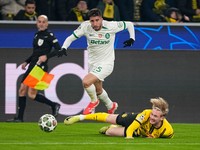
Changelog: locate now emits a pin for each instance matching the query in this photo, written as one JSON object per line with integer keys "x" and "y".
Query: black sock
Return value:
{"x": 21, "y": 107}
{"x": 42, "y": 99}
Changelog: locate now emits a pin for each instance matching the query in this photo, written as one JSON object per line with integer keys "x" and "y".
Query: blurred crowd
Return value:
{"x": 126, "y": 10}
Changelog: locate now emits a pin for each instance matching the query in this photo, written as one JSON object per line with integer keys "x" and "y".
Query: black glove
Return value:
{"x": 62, "y": 52}
{"x": 128, "y": 42}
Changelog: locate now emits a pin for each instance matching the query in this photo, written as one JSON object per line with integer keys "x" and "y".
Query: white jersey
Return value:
{"x": 100, "y": 43}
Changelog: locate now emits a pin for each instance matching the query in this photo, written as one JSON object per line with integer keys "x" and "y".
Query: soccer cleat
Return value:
{"x": 113, "y": 109}
{"x": 71, "y": 119}
{"x": 55, "y": 109}
{"x": 104, "y": 129}
{"x": 90, "y": 108}
{"x": 16, "y": 120}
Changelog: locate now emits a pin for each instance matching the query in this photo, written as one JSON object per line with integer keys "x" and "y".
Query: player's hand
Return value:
{"x": 128, "y": 42}
{"x": 62, "y": 52}
{"x": 42, "y": 59}
{"x": 24, "y": 65}
{"x": 149, "y": 136}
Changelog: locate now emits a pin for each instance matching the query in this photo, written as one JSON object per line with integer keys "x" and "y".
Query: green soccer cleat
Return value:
{"x": 104, "y": 129}
{"x": 71, "y": 119}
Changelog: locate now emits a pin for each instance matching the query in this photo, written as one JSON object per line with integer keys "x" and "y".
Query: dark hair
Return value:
{"x": 172, "y": 9}
{"x": 94, "y": 12}
{"x": 29, "y": 2}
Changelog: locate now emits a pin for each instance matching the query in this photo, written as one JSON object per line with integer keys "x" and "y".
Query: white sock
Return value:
{"x": 91, "y": 90}
{"x": 105, "y": 99}
{"x": 82, "y": 117}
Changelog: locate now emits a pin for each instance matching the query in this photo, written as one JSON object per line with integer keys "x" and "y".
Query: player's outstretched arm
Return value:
{"x": 131, "y": 30}
{"x": 66, "y": 44}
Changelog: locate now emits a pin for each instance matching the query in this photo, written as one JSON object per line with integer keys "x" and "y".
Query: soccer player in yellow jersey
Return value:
{"x": 149, "y": 123}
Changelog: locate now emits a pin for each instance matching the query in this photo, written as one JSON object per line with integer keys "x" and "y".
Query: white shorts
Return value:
{"x": 101, "y": 71}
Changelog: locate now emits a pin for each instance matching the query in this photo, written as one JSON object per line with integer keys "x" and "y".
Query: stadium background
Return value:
{"x": 164, "y": 61}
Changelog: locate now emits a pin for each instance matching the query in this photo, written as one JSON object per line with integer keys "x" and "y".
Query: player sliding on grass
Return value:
{"x": 100, "y": 36}
{"x": 149, "y": 123}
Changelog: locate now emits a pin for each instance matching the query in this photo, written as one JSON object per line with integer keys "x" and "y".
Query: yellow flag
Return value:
{"x": 38, "y": 78}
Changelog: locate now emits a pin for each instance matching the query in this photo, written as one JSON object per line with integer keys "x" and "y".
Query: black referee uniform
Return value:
{"x": 44, "y": 43}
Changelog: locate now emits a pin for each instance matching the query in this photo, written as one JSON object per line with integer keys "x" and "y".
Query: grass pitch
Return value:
{"x": 85, "y": 136}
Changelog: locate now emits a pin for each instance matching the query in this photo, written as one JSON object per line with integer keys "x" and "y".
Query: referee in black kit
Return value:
{"x": 43, "y": 43}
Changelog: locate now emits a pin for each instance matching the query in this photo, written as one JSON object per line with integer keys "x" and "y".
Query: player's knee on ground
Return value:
{"x": 110, "y": 131}
{"x": 115, "y": 130}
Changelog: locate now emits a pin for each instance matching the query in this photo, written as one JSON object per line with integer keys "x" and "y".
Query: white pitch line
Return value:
{"x": 86, "y": 143}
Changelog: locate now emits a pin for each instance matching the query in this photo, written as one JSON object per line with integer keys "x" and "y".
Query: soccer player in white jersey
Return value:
{"x": 100, "y": 36}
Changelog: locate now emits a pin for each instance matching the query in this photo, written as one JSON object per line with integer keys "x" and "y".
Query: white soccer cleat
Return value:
{"x": 71, "y": 119}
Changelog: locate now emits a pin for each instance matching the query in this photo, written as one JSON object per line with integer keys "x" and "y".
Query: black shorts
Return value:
{"x": 30, "y": 67}
{"x": 125, "y": 119}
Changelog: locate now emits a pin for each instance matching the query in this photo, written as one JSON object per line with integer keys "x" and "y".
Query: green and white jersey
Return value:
{"x": 100, "y": 43}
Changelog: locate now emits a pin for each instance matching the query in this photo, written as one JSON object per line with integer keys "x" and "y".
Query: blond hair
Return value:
{"x": 160, "y": 104}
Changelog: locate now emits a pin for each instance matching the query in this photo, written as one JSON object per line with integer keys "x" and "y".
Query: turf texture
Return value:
{"x": 85, "y": 136}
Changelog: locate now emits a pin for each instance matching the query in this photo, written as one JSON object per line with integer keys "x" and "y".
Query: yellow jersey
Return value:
{"x": 141, "y": 127}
